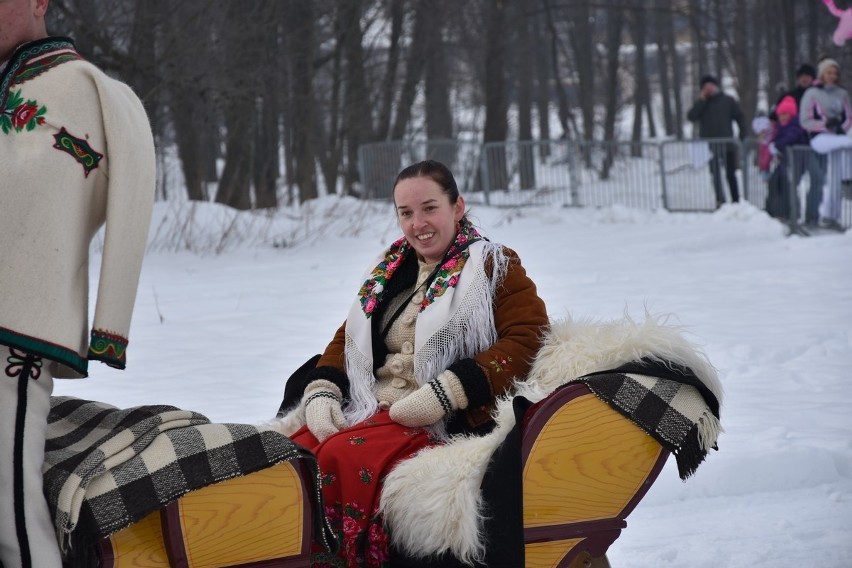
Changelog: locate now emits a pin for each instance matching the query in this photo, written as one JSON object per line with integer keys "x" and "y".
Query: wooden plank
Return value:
{"x": 246, "y": 519}
{"x": 138, "y": 546}
{"x": 548, "y": 554}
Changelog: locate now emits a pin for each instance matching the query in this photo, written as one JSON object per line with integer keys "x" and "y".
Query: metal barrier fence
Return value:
{"x": 380, "y": 162}
{"x": 689, "y": 175}
{"x": 805, "y": 186}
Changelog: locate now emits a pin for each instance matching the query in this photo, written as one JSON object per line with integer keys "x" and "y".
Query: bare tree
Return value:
{"x": 523, "y": 87}
{"x": 495, "y": 87}
{"x": 614, "y": 25}
{"x": 298, "y": 22}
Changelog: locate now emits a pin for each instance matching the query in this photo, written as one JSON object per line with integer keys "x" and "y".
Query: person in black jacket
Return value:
{"x": 715, "y": 111}
{"x": 805, "y": 76}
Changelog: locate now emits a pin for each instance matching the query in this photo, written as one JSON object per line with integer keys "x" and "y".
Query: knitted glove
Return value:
{"x": 323, "y": 414}
{"x": 431, "y": 402}
{"x": 833, "y": 125}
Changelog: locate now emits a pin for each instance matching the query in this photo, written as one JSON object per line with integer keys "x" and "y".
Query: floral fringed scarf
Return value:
{"x": 446, "y": 277}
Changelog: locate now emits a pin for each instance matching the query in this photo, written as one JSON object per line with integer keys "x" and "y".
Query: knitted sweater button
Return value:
{"x": 396, "y": 366}
{"x": 407, "y": 348}
{"x": 417, "y": 298}
{"x": 399, "y": 383}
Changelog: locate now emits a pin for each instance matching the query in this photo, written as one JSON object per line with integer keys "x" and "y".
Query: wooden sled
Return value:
{"x": 585, "y": 468}
{"x": 261, "y": 520}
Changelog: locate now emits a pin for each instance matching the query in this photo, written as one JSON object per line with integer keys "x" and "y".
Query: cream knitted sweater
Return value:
{"x": 76, "y": 153}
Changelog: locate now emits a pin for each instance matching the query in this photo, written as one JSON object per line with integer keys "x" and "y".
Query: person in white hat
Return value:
{"x": 826, "y": 114}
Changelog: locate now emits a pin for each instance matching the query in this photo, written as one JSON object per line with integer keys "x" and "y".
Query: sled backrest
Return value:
{"x": 585, "y": 468}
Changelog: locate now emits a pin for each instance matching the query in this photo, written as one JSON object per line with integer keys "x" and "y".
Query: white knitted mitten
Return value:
{"x": 323, "y": 414}
{"x": 431, "y": 402}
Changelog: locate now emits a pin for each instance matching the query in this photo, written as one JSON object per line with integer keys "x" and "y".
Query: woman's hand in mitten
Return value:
{"x": 431, "y": 402}
{"x": 323, "y": 414}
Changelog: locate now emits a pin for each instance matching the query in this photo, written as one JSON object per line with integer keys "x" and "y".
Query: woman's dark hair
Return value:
{"x": 434, "y": 170}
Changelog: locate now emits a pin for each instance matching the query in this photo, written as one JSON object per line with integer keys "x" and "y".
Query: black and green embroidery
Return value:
{"x": 108, "y": 347}
{"x": 78, "y": 149}
{"x": 33, "y": 59}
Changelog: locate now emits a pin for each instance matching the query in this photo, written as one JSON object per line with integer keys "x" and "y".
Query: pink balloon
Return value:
{"x": 844, "y": 25}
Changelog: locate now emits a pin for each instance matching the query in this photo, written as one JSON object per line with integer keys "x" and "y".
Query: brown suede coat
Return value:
{"x": 520, "y": 318}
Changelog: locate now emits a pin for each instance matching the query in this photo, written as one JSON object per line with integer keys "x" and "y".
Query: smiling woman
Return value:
{"x": 429, "y": 215}
{"x": 443, "y": 324}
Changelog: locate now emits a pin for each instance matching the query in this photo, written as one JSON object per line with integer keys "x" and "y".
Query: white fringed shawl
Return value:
{"x": 457, "y": 325}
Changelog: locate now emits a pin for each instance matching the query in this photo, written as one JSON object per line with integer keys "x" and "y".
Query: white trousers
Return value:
{"x": 27, "y": 536}
{"x": 838, "y": 169}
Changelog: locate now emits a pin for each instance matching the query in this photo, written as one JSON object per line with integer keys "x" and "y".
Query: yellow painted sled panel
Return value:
{"x": 140, "y": 545}
{"x": 587, "y": 464}
{"x": 245, "y": 519}
{"x": 548, "y": 554}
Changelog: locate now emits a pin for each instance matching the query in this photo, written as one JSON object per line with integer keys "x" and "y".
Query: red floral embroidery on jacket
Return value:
{"x": 19, "y": 115}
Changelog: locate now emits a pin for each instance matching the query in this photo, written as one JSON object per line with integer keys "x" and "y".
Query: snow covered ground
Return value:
{"x": 219, "y": 333}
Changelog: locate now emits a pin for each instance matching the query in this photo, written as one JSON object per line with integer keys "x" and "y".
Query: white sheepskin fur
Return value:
{"x": 289, "y": 423}
{"x": 431, "y": 501}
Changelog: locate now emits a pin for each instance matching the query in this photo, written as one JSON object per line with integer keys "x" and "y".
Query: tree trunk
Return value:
{"x": 640, "y": 92}
{"x": 615, "y": 23}
{"x": 239, "y": 108}
{"x": 584, "y": 63}
{"x": 663, "y": 21}
{"x": 744, "y": 50}
{"x": 396, "y": 16}
{"x": 415, "y": 64}
{"x": 524, "y": 88}
{"x": 439, "y": 119}
{"x": 697, "y": 23}
{"x": 677, "y": 80}
{"x": 357, "y": 116}
{"x": 496, "y": 105}
{"x": 300, "y": 34}
{"x": 542, "y": 93}
{"x": 267, "y": 140}
{"x": 235, "y": 185}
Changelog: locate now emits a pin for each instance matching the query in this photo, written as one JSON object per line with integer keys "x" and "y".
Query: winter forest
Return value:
{"x": 265, "y": 103}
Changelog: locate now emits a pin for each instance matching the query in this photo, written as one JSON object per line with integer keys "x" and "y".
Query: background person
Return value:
{"x": 788, "y": 132}
{"x": 75, "y": 151}
{"x": 715, "y": 112}
{"x": 443, "y": 324}
{"x": 826, "y": 114}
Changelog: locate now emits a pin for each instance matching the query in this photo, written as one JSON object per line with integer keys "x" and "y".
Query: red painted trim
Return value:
{"x": 173, "y": 535}
{"x": 539, "y": 413}
{"x": 106, "y": 554}
{"x": 304, "y": 474}
{"x": 301, "y": 561}
{"x": 571, "y": 530}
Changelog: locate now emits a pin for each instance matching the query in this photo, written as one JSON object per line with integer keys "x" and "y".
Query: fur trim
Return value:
{"x": 576, "y": 348}
{"x": 288, "y": 424}
{"x": 431, "y": 501}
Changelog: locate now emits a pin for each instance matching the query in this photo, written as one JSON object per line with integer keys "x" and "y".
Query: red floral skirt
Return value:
{"x": 352, "y": 465}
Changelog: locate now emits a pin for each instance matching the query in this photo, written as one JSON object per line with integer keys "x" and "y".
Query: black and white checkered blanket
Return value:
{"x": 106, "y": 468}
{"x": 668, "y": 402}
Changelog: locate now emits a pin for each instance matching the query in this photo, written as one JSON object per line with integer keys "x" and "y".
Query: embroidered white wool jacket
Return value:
{"x": 76, "y": 153}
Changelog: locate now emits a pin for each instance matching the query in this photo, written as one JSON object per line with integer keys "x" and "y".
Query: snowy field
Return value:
{"x": 217, "y": 329}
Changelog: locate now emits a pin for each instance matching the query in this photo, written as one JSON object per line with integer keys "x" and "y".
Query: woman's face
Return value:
{"x": 831, "y": 75}
{"x": 427, "y": 218}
